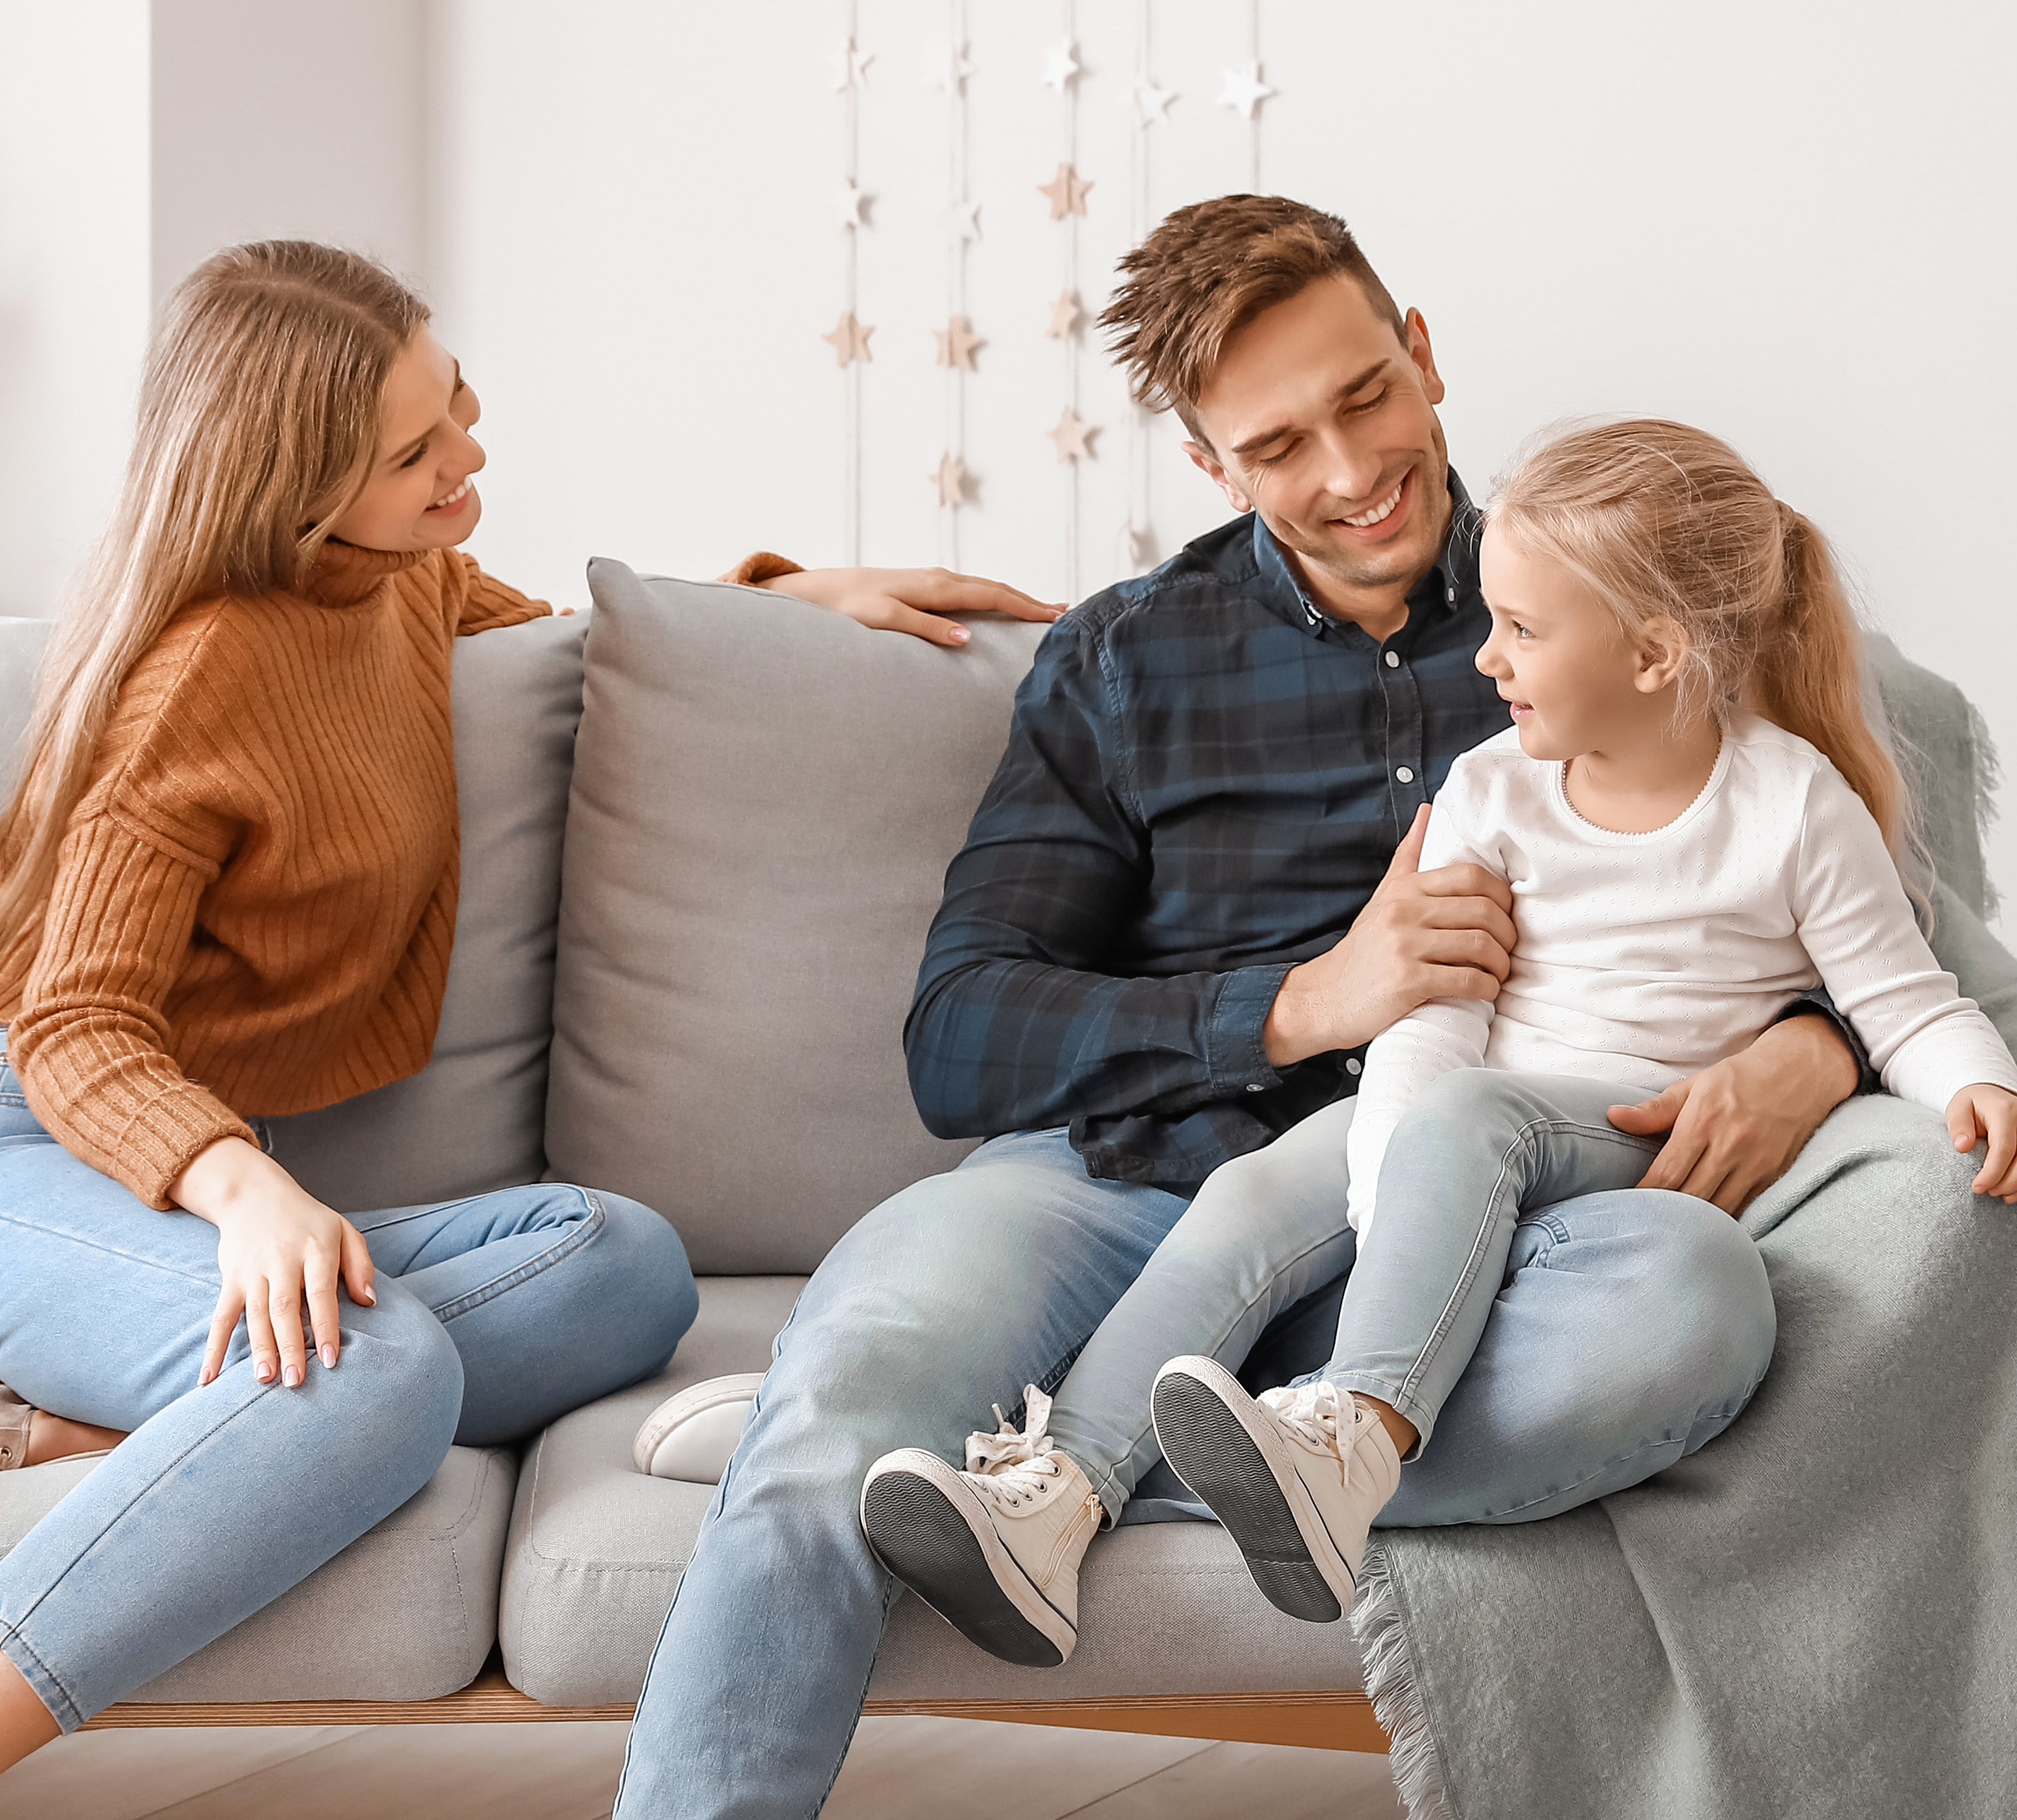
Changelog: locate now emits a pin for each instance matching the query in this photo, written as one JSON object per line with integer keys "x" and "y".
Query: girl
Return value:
{"x": 1697, "y": 824}
{"x": 229, "y": 890}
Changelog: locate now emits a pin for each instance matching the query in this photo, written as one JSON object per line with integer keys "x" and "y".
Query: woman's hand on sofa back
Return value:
{"x": 910, "y": 600}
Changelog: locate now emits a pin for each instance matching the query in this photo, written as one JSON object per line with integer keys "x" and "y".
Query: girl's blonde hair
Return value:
{"x": 1664, "y": 521}
{"x": 259, "y": 420}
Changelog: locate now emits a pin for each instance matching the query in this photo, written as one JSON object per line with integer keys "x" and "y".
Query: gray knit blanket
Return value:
{"x": 1814, "y": 1616}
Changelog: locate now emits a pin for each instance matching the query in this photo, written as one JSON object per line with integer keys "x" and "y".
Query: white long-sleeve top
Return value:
{"x": 1644, "y": 958}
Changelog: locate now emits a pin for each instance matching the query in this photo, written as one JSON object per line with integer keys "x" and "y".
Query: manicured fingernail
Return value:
{"x": 291, "y": 1376}
{"x": 329, "y": 1357}
{"x": 370, "y": 1296}
{"x": 264, "y": 1371}
{"x": 959, "y": 635}
{"x": 203, "y": 1377}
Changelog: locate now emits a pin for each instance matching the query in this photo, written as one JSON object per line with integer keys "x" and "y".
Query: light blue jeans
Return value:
{"x": 1628, "y": 1328}
{"x": 494, "y": 1315}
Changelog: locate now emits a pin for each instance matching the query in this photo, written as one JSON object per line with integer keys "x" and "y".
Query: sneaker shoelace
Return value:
{"x": 1011, "y": 1468}
{"x": 1316, "y": 1413}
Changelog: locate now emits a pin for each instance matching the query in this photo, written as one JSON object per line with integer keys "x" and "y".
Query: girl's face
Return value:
{"x": 1574, "y": 683}
{"x": 421, "y": 494}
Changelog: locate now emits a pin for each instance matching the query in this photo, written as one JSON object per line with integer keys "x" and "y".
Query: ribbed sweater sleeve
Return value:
{"x": 485, "y": 602}
{"x": 90, "y": 1046}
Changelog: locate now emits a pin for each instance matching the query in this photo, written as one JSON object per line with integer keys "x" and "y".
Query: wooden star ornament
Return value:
{"x": 1061, "y": 66}
{"x": 950, "y": 478}
{"x": 848, "y": 339}
{"x": 948, "y": 69}
{"x": 956, "y": 342}
{"x": 850, "y": 66}
{"x": 1073, "y": 436}
{"x": 854, "y": 204}
{"x": 963, "y": 222}
{"x": 1065, "y": 313}
{"x": 1244, "y": 90}
{"x": 1152, "y": 104}
{"x": 1067, "y": 192}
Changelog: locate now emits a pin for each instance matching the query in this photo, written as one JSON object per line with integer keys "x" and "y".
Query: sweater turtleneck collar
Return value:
{"x": 345, "y": 574}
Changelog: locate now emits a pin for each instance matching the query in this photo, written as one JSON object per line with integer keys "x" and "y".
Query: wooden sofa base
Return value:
{"x": 1325, "y": 1721}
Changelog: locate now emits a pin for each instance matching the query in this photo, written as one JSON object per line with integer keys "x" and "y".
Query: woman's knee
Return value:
{"x": 645, "y": 1295}
{"x": 402, "y": 1375}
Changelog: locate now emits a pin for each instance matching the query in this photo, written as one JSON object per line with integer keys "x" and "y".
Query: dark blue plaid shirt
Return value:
{"x": 1207, "y": 777}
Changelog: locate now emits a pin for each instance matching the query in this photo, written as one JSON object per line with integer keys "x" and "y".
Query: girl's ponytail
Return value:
{"x": 1809, "y": 677}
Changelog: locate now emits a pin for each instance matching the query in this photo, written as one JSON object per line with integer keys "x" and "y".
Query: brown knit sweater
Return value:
{"x": 256, "y": 897}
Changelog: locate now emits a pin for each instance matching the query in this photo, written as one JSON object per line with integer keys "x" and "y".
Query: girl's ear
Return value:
{"x": 1663, "y": 648}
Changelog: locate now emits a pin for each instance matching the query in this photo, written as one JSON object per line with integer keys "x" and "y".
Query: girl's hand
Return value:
{"x": 276, "y": 1243}
{"x": 910, "y": 600}
{"x": 1983, "y": 1111}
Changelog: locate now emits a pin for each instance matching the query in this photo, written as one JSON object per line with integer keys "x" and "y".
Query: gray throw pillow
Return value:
{"x": 470, "y": 1120}
{"x": 765, "y": 798}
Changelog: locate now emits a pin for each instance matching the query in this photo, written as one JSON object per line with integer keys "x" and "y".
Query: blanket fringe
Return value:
{"x": 1396, "y": 1699}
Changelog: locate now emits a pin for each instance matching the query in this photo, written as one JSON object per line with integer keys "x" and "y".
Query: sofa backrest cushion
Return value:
{"x": 765, "y": 798}
{"x": 1949, "y": 768}
{"x": 471, "y": 1119}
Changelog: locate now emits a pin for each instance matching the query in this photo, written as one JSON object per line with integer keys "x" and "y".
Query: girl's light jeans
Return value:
{"x": 495, "y": 1316}
{"x": 1502, "y": 1240}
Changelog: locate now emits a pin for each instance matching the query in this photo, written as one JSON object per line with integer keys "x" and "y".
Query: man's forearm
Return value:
{"x": 997, "y": 1044}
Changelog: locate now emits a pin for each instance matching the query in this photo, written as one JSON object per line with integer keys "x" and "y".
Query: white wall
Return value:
{"x": 1792, "y": 224}
{"x": 74, "y": 301}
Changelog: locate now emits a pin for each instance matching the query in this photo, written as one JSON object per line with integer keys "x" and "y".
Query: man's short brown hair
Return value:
{"x": 1208, "y": 270}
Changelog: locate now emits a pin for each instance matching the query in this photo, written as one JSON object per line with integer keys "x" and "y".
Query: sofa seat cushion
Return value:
{"x": 596, "y": 1549}
{"x": 408, "y": 1611}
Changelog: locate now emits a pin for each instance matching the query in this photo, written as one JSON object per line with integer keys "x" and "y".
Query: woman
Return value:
{"x": 230, "y": 892}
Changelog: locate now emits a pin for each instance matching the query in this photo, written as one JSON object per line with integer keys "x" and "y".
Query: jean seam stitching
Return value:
{"x": 95, "y": 1244}
{"x": 580, "y": 1233}
{"x": 20, "y": 1637}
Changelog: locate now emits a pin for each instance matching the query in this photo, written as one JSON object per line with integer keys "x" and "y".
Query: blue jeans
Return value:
{"x": 1634, "y": 1327}
{"x": 495, "y": 1316}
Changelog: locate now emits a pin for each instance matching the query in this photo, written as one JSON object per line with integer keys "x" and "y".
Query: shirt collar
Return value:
{"x": 1449, "y": 585}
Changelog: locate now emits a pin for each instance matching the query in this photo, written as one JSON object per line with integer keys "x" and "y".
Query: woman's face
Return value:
{"x": 422, "y": 491}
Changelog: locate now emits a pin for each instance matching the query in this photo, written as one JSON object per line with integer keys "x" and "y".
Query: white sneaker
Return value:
{"x": 1296, "y": 1478}
{"x": 994, "y": 1551}
{"x": 691, "y": 1435}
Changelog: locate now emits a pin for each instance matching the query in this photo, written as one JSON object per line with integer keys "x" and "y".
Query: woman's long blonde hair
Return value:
{"x": 1664, "y": 521}
{"x": 259, "y": 419}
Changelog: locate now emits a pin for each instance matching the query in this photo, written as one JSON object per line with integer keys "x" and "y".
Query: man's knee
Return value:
{"x": 1712, "y": 1276}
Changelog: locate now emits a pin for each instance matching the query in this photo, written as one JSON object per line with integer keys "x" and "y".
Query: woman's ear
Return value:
{"x": 1663, "y": 648}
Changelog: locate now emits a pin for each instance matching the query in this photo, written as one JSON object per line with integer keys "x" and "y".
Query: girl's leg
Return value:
{"x": 1263, "y": 1231}
{"x": 220, "y": 1498}
{"x": 1478, "y": 1147}
{"x": 554, "y": 1295}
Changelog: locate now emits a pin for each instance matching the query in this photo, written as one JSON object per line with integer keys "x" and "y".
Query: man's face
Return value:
{"x": 1322, "y": 419}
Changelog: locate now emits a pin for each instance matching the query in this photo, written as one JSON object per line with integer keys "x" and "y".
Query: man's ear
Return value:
{"x": 1424, "y": 357}
{"x": 1663, "y": 648}
{"x": 1215, "y": 471}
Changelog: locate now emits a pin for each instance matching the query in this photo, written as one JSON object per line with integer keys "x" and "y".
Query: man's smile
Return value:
{"x": 1384, "y": 517}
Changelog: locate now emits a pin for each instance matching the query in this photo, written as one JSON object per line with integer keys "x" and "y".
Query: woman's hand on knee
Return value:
{"x": 276, "y": 1245}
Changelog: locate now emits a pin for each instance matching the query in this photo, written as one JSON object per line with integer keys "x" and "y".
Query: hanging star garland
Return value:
{"x": 1065, "y": 313}
{"x": 1152, "y": 104}
{"x": 963, "y": 221}
{"x": 850, "y": 66}
{"x": 950, "y": 478}
{"x": 1071, "y": 436}
{"x": 948, "y": 69}
{"x": 853, "y": 202}
{"x": 1067, "y": 192}
{"x": 848, "y": 339}
{"x": 956, "y": 342}
{"x": 1244, "y": 90}
{"x": 1061, "y": 66}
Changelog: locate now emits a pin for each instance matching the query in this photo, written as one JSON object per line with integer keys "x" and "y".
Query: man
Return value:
{"x": 1188, "y": 901}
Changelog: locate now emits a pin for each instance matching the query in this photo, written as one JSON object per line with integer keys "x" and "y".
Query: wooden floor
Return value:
{"x": 900, "y": 1769}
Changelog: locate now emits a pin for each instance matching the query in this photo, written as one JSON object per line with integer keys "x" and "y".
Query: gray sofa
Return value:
{"x": 704, "y": 831}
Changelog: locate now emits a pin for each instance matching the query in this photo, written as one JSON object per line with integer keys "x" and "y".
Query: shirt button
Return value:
{"x": 1393, "y": 660}
{"x": 1253, "y": 1086}
{"x": 1353, "y": 1065}
{"x": 1405, "y": 773}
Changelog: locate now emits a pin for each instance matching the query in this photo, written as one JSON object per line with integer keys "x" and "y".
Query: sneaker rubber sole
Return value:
{"x": 1210, "y": 1443}
{"x": 914, "y": 1512}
